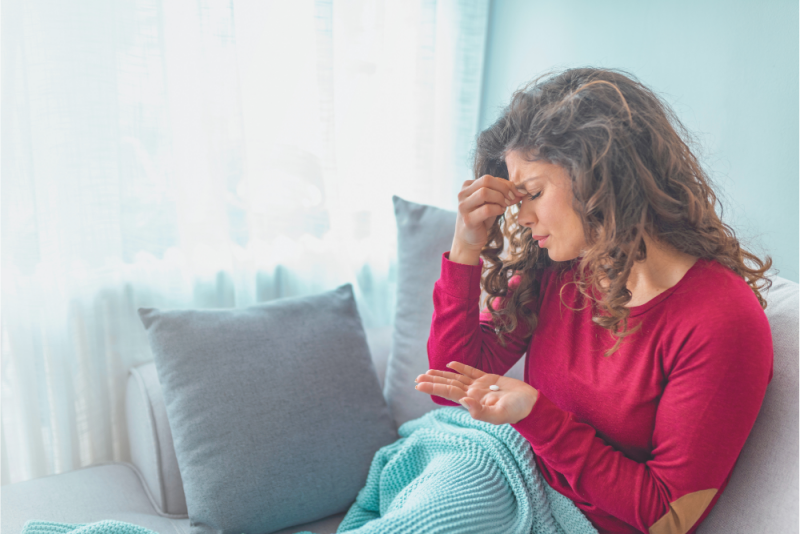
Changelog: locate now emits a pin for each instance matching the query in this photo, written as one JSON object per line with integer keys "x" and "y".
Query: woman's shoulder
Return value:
{"x": 713, "y": 283}
{"x": 713, "y": 297}
{"x": 715, "y": 319}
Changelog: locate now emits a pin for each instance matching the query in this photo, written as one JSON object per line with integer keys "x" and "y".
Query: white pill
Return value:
{"x": 493, "y": 387}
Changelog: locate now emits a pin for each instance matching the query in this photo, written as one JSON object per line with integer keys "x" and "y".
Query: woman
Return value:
{"x": 648, "y": 350}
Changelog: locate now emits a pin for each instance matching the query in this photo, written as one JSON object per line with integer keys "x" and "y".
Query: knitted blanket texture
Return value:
{"x": 448, "y": 473}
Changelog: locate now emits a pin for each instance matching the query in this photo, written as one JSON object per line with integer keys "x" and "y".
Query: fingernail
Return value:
{"x": 511, "y": 195}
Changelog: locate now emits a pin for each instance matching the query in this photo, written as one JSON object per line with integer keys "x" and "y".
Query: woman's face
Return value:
{"x": 547, "y": 207}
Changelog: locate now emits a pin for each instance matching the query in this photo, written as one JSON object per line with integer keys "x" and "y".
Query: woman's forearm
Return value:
{"x": 459, "y": 332}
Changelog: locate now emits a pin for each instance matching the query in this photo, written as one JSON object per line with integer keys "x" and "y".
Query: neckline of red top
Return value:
{"x": 638, "y": 310}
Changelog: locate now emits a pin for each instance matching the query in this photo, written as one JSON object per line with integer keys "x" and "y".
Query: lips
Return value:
{"x": 542, "y": 239}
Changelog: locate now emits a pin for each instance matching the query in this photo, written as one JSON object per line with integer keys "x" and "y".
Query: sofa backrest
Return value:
{"x": 762, "y": 493}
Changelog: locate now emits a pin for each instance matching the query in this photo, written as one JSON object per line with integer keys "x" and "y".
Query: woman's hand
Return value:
{"x": 480, "y": 202}
{"x": 470, "y": 387}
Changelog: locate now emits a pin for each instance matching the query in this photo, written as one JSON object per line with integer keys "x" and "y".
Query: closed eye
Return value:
{"x": 534, "y": 197}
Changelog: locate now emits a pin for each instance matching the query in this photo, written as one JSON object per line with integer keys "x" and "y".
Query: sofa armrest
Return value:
{"x": 150, "y": 438}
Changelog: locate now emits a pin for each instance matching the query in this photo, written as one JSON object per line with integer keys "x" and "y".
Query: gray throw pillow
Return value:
{"x": 275, "y": 409}
{"x": 424, "y": 233}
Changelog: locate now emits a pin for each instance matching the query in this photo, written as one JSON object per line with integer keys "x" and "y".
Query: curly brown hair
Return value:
{"x": 632, "y": 173}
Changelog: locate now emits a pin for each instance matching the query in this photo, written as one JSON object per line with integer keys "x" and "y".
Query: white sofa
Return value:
{"x": 761, "y": 497}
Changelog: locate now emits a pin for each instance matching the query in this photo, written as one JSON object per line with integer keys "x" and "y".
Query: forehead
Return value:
{"x": 523, "y": 172}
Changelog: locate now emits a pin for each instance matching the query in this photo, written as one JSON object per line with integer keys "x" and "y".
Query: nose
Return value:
{"x": 526, "y": 216}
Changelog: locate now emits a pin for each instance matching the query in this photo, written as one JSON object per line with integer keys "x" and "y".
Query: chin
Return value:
{"x": 558, "y": 257}
{"x": 549, "y": 253}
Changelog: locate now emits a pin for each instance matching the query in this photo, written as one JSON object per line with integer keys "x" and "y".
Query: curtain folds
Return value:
{"x": 205, "y": 154}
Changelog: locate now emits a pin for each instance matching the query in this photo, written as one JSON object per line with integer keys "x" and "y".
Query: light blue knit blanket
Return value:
{"x": 448, "y": 473}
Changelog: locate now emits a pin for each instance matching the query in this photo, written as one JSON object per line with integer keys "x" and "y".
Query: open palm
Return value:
{"x": 469, "y": 386}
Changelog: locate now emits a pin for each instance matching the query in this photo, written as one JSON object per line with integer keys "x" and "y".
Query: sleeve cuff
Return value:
{"x": 459, "y": 280}
{"x": 543, "y": 423}
{"x": 441, "y": 401}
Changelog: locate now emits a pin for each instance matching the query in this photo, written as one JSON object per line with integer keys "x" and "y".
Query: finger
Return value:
{"x": 445, "y": 374}
{"x": 502, "y": 185}
{"x": 484, "y": 195}
{"x": 465, "y": 185}
{"x": 482, "y": 214}
{"x": 467, "y": 370}
{"x": 449, "y": 392}
{"x": 439, "y": 380}
{"x": 521, "y": 194}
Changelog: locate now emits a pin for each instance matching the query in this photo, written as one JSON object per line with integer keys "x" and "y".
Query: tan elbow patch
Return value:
{"x": 683, "y": 513}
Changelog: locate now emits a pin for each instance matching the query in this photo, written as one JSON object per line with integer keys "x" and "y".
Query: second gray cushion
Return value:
{"x": 424, "y": 233}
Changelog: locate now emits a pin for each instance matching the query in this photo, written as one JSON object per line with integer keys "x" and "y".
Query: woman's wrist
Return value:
{"x": 532, "y": 396}
{"x": 464, "y": 255}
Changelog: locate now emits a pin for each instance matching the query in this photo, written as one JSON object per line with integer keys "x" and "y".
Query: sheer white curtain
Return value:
{"x": 195, "y": 154}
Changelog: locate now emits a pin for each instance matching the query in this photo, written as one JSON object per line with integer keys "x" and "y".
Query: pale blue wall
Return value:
{"x": 729, "y": 69}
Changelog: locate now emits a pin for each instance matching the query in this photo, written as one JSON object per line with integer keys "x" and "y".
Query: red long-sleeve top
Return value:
{"x": 643, "y": 440}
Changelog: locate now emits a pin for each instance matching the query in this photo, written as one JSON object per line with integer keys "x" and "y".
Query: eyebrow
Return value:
{"x": 526, "y": 180}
